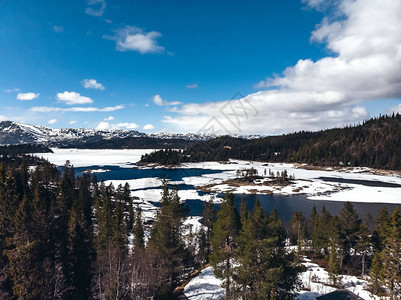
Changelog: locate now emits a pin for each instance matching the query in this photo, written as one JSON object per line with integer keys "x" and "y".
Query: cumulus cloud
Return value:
{"x": 365, "y": 39}
{"x": 27, "y": 96}
{"x": 52, "y": 121}
{"x": 148, "y": 127}
{"x": 106, "y": 126}
{"x": 73, "y": 122}
{"x": 159, "y": 101}
{"x": 47, "y": 109}
{"x": 131, "y": 38}
{"x": 192, "y": 86}
{"x": 72, "y": 98}
{"x": 395, "y": 109}
{"x": 92, "y": 84}
{"x": 2, "y": 118}
{"x": 110, "y": 118}
{"x": 95, "y": 7}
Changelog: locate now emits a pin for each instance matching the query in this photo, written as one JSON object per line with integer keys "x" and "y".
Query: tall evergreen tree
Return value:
{"x": 225, "y": 231}
{"x": 166, "y": 238}
{"x": 139, "y": 235}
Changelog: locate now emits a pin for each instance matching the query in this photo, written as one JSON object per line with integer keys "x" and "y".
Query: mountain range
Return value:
{"x": 13, "y": 133}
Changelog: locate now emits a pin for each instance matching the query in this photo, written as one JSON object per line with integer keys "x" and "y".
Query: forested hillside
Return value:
{"x": 376, "y": 143}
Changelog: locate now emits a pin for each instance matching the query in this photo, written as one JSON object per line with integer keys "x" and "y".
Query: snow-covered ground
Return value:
{"x": 94, "y": 157}
{"x": 204, "y": 287}
{"x": 315, "y": 281}
{"x": 306, "y": 181}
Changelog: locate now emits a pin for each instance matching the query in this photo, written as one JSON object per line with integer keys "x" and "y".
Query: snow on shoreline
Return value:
{"x": 307, "y": 181}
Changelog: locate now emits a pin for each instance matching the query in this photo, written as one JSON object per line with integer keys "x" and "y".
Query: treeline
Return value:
{"x": 346, "y": 244}
{"x": 376, "y": 143}
{"x": 14, "y": 150}
{"x": 16, "y": 154}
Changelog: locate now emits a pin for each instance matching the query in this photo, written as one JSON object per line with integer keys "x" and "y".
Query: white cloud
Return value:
{"x": 95, "y": 7}
{"x": 58, "y": 29}
{"x": 73, "y": 122}
{"x": 72, "y": 98}
{"x": 192, "y": 86}
{"x": 148, "y": 127}
{"x": 12, "y": 90}
{"x": 365, "y": 39}
{"x": 159, "y": 101}
{"x": 3, "y": 118}
{"x": 106, "y": 126}
{"x": 103, "y": 126}
{"x": 52, "y": 121}
{"x": 47, "y": 109}
{"x": 92, "y": 84}
{"x": 131, "y": 38}
{"x": 110, "y": 118}
{"x": 127, "y": 125}
{"x": 27, "y": 96}
{"x": 395, "y": 109}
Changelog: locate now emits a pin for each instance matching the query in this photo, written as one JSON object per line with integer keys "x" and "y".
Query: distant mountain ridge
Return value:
{"x": 13, "y": 133}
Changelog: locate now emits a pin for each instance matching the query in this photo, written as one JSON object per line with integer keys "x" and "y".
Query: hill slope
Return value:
{"x": 376, "y": 143}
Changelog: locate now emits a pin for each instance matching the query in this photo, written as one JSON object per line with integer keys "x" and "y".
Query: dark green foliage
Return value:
{"x": 208, "y": 217}
{"x": 376, "y": 143}
{"x": 139, "y": 235}
{"x": 224, "y": 234}
{"x": 166, "y": 240}
{"x": 264, "y": 268}
{"x": 386, "y": 265}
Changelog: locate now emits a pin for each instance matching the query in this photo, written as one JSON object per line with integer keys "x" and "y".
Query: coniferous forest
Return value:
{"x": 68, "y": 237}
{"x": 375, "y": 144}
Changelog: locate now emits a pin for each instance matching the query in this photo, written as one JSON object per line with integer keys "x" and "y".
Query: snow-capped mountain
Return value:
{"x": 12, "y": 133}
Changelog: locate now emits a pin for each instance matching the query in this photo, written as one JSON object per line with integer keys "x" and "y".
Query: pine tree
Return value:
{"x": 80, "y": 237}
{"x": 139, "y": 235}
{"x": 297, "y": 225}
{"x": 351, "y": 225}
{"x": 208, "y": 217}
{"x": 391, "y": 256}
{"x": 166, "y": 238}
{"x": 22, "y": 254}
{"x": 225, "y": 231}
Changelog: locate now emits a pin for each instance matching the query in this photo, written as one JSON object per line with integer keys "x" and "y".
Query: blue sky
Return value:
{"x": 174, "y": 65}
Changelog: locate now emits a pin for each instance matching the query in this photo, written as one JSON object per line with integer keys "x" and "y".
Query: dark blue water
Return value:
{"x": 118, "y": 173}
{"x": 374, "y": 183}
{"x": 285, "y": 205}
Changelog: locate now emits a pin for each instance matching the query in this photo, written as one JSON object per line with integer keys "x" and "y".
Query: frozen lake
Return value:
{"x": 367, "y": 191}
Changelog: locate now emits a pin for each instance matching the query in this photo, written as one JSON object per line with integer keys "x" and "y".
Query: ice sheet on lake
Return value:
{"x": 95, "y": 157}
